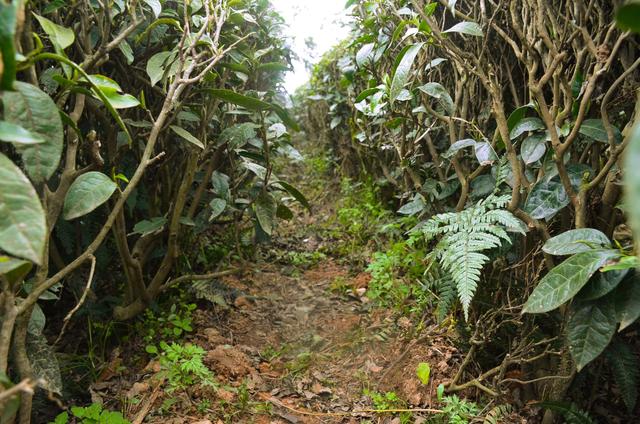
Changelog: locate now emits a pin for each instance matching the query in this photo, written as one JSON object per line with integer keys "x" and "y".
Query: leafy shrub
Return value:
{"x": 92, "y": 414}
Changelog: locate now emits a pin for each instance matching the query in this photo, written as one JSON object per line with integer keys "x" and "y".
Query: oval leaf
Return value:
{"x": 565, "y": 280}
{"x": 469, "y": 28}
{"x": 590, "y": 330}
{"x": 23, "y": 227}
{"x": 34, "y": 110}
{"x": 86, "y": 193}
{"x": 401, "y": 74}
{"x": 265, "y": 209}
{"x": 187, "y": 136}
{"x": 576, "y": 241}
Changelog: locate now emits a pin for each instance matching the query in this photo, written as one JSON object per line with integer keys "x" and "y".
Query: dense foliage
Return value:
{"x": 501, "y": 126}
{"x": 129, "y": 130}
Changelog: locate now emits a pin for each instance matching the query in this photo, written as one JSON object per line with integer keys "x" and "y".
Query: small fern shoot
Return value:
{"x": 465, "y": 236}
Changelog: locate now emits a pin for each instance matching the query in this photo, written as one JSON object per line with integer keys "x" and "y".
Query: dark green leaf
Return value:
{"x": 86, "y": 193}
{"x": 8, "y": 24}
{"x": 590, "y": 329}
{"x": 564, "y": 281}
{"x": 625, "y": 368}
{"x": 246, "y": 102}
{"x": 576, "y": 241}
{"x": 187, "y": 136}
{"x": 594, "y": 129}
{"x": 632, "y": 180}
{"x": 265, "y": 209}
{"x": 525, "y": 125}
{"x": 545, "y": 199}
{"x": 34, "y": 110}
{"x": 469, "y": 28}
{"x": 217, "y": 207}
{"x": 627, "y": 300}
{"x": 533, "y": 148}
{"x": 295, "y": 193}
{"x": 628, "y": 16}
{"x": 437, "y": 91}
{"x": 601, "y": 284}
{"x": 401, "y": 75}
{"x": 149, "y": 226}
{"x": 22, "y": 226}
{"x": 458, "y": 145}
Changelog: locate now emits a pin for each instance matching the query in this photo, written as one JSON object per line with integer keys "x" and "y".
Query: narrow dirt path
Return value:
{"x": 300, "y": 341}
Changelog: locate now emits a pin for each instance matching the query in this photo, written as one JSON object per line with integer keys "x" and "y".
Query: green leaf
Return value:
{"x": 545, "y": 199}
{"x": 533, "y": 148}
{"x": 625, "y": 368}
{"x": 8, "y": 24}
{"x": 594, "y": 129}
{"x": 627, "y": 301}
{"x": 14, "y": 133}
{"x": 564, "y": 281}
{"x": 632, "y": 180}
{"x": 23, "y": 229}
{"x": 14, "y": 269}
{"x": 295, "y": 193}
{"x": 152, "y": 225}
{"x": 366, "y": 93}
{"x": 401, "y": 75}
{"x": 485, "y": 153}
{"x": 60, "y": 37}
{"x": 86, "y": 193}
{"x": 437, "y": 91}
{"x": 459, "y": 145}
{"x": 601, "y": 284}
{"x": 217, "y": 207}
{"x": 364, "y": 53}
{"x": 283, "y": 212}
{"x": 628, "y": 16}
{"x": 265, "y": 209}
{"x": 187, "y": 136}
{"x": 246, "y": 102}
{"x": 157, "y": 66}
{"x": 576, "y": 241}
{"x": 589, "y": 330}
{"x": 469, "y": 28}
{"x": 525, "y": 125}
{"x": 423, "y": 371}
{"x": 416, "y": 205}
{"x": 33, "y": 109}
{"x": 285, "y": 117}
{"x": 155, "y": 6}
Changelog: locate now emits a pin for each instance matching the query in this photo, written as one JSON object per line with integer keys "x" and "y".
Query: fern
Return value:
{"x": 465, "y": 235}
{"x": 441, "y": 283}
{"x": 496, "y": 415}
{"x": 624, "y": 366}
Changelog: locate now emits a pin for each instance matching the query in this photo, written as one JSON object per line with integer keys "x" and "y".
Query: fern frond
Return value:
{"x": 624, "y": 366}
{"x": 495, "y": 415}
{"x": 465, "y": 235}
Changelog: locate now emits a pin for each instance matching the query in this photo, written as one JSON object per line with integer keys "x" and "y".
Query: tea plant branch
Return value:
{"x": 25, "y": 386}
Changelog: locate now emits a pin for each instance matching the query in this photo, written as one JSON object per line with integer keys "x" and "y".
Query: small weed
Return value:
{"x": 270, "y": 353}
{"x": 203, "y": 406}
{"x": 305, "y": 259}
{"x": 340, "y": 286}
{"x": 92, "y": 414}
{"x": 168, "y": 326}
{"x": 183, "y": 366}
{"x": 388, "y": 401}
{"x": 458, "y": 411}
{"x": 300, "y": 363}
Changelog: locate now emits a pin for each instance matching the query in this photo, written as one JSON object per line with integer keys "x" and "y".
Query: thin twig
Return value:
{"x": 81, "y": 301}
